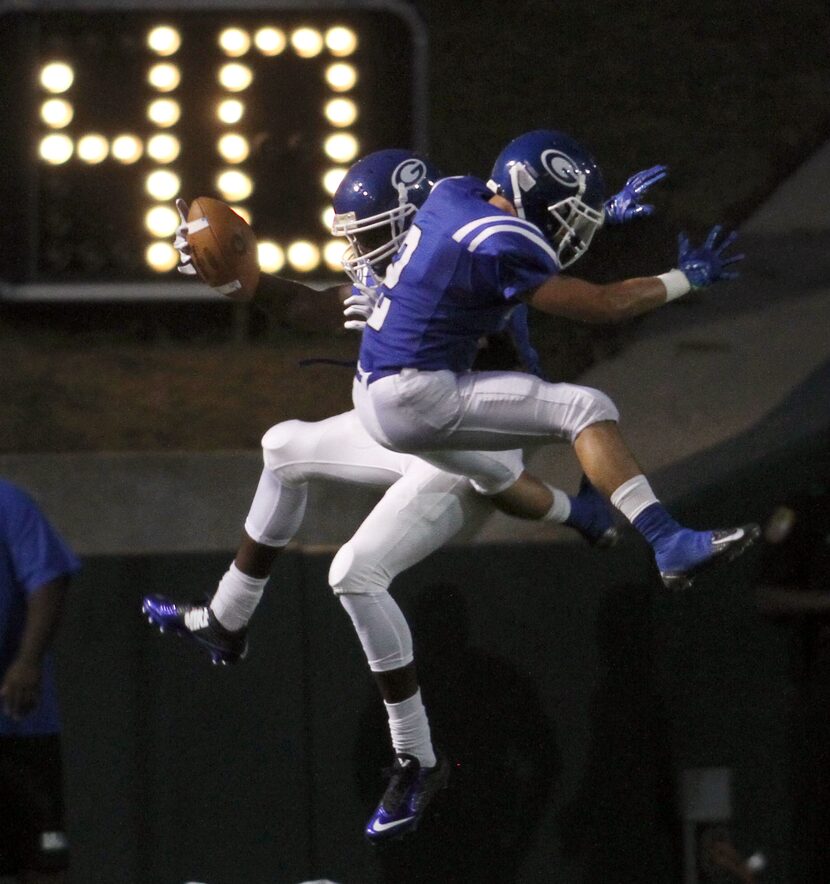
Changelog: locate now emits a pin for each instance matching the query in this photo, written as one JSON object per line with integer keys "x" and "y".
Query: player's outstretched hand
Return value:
{"x": 359, "y": 306}
{"x": 708, "y": 263}
{"x": 625, "y": 205}
{"x": 180, "y": 242}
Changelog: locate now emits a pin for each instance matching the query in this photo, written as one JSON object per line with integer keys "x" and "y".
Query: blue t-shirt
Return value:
{"x": 455, "y": 279}
{"x": 31, "y": 555}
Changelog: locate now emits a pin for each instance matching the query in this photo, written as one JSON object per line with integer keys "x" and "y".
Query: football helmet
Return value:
{"x": 554, "y": 183}
{"x": 374, "y": 205}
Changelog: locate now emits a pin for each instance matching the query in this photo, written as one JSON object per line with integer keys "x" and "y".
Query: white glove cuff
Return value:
{"x": 676, "y": 283}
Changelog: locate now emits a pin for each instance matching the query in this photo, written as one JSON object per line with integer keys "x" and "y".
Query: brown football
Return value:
{"x": 223, "y": 247}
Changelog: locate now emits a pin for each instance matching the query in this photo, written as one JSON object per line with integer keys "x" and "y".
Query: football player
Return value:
{"x": 475, "y": 250}
{"x": 422, "y": 509}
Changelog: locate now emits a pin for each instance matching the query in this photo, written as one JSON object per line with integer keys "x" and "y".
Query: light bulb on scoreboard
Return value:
{"x": 233, "y": 148}
{"x": 164, "y": 112}
{"x": 230, "y": 111}
{"x": 127, "y": 149}
{"x": 303, "y": 255}
{"x": 92, "y": 148}
{"x": 235, "y": 77}
{"x": 342, "y": 147}
{"x": 163, "y": 147}
{"x": 234, "y": 42}
{"x": 341, "y": 111}
{"x": 341, "y": 77}
{"x": 271, "y": 256}
{"x": 164, "y": 40}
{"x": 164, "y": 76}
{"x": 161, "y": 256}
{"x": 270, "y": 41}
{"x": 332, "y": 179}
{"x": 307, "y": 42}
{"x": 333, "y": 253}
{"x": 162, "y": 184}
{"x": 161, "y": 221}
{"x": 234, "y": 185}
{"x": 327, "y": 217}
{"x": 56, "y": 77}
{"x": 56, "y": 113}
{"x": 341, "y": 41}
{"x": 56, "y": 149}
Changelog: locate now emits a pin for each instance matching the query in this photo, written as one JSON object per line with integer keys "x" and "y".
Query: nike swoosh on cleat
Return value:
{"x": 378, "y": 826}
{"x": 735, "y": 535}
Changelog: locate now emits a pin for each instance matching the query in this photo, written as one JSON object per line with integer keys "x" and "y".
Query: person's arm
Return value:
{"x": 293, "y": 303}
{"x": 300, "y": 306}
{"x": 20, "y": 690}
{"x": 577, "y": 299}
{"x": 573, "y": 298}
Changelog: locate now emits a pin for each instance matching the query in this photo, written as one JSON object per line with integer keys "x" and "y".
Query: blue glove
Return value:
{"x": 625, "y": 206}
{"x": 707, "y": 264}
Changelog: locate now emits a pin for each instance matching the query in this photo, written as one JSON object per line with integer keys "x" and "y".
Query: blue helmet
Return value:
{"x": 374, "y": 205}
{"x": 554, "y": 183}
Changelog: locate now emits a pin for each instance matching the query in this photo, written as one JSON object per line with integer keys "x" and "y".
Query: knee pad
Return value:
{"x": 280, "y": 444}
{"x": 597, "y": 407}
{"x": 350, "y": 573}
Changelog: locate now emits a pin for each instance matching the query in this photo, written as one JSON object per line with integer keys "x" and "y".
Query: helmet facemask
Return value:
{"x": 363, "y": 257}
{"x": 576, "y": 224}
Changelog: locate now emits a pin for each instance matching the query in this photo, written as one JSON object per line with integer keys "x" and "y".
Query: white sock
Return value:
{"x": 236, "y": 597}
{"x": 560, "y": 508}
{"x": 410, "y": 729}
{"x": 633, "y": 496}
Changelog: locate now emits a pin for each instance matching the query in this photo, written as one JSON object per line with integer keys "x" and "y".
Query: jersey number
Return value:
{"x": 396, "y": 268}
{"x": 393, "y": 274}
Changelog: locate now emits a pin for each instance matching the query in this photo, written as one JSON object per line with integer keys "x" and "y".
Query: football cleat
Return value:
{"x": 411, "y": 788}
{"x": 688, "y": 553}
{"x": 591, "y": 516}
{"x": 198, "y": 622}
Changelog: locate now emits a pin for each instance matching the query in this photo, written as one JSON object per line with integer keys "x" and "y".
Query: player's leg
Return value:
{"x": 294, "y": 453}
{"x": 419, "y": 411}
{"x": 417, "y": 515}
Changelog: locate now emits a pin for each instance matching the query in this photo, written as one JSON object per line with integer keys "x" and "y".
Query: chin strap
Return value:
{"x": 520, "y": 179}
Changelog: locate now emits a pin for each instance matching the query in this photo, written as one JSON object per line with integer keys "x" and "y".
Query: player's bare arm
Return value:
{"x": 573, "y": 298}
{"x": 301, "y": 306}
{"x": 584, "y": 301}
{"x": 293, "y": 303}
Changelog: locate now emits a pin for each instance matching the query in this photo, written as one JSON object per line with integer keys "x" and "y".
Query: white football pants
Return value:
{"x": 422, "y": 510}
{"x": 462, "y": 422}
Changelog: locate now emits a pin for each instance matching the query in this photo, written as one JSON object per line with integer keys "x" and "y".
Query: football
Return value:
{"x": 223, "y": 247}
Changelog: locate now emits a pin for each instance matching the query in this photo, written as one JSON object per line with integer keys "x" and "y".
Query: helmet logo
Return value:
{"x": 561, "y": 167}
{"x": 409, "y": 173}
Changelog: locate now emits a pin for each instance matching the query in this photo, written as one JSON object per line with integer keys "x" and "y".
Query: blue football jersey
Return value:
{"x": 455, "y": 278}
{"x": 32, "y": 554}
{"x": 520, "y": 333}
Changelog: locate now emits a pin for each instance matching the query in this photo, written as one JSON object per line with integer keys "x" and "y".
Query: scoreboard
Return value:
{"x": 114, "y": 112}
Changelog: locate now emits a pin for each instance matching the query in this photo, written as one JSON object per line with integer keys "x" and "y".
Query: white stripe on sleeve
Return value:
{"x": 512, "y": 228}
{"x": 503, "y": 218}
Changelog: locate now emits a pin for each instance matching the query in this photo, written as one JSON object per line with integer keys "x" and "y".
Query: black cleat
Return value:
{"x": 197, "y": 621}
{"x": 411, "y": 788}
{"x": 693, "y": 552}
